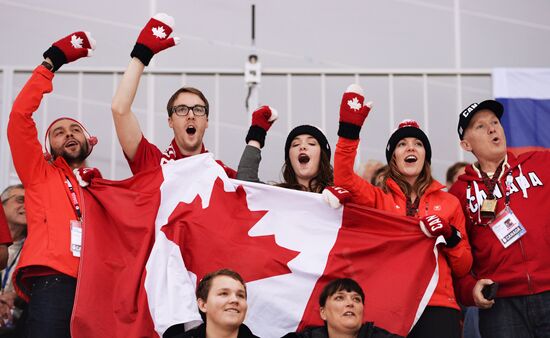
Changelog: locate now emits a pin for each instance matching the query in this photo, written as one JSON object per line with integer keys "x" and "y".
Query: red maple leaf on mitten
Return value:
{"x": 218, "y": 236}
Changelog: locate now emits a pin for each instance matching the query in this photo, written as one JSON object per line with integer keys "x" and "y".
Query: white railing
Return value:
{"x": 12, "y": 78}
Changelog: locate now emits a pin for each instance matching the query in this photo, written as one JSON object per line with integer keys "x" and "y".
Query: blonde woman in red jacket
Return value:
{"x": 409, "y": 189}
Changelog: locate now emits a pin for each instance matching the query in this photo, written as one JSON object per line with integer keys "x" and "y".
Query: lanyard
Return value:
{"x": 8, "y": 269}
{"x": 491, "y": 182}
{"x": 73, "y": 199}
{"x": 412, "y": 207}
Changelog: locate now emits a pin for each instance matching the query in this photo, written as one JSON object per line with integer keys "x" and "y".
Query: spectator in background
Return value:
{"x": 222, "y": 304}
{"x": 5, "y": 239}
{"x": 378, "y": 177}
{"x": 408, "y": 188}
{"x": 187, "y": 108}
{"x": 11, "y": 306}
{"x": 49, "y": 261}
{"x": 368, "y": 170}
{"x": 307, "y": 154}
{"x": 454, "y": 171}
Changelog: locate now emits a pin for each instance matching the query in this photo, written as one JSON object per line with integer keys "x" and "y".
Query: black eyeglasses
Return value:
{"x": 183, "y": 110}
{"x": 18, "y": 198}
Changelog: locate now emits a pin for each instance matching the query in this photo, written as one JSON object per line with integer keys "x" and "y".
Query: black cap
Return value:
{"x": 467, "y": 114}
{"x": 408, "y": 128}
{"x": 309, "y": 130}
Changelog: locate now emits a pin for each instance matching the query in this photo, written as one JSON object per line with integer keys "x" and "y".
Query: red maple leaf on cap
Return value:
{"x": 219, "y": 234}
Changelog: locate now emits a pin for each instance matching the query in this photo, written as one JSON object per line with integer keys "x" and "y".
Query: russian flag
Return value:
{"x": 525, "y": 94}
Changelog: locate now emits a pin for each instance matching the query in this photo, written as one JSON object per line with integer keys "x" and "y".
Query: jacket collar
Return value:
{"x": 396, "y": 190}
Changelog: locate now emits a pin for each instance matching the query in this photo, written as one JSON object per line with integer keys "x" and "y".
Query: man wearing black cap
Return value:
{"x": 507, "y": 210}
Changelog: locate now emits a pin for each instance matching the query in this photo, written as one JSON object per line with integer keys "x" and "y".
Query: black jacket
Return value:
{"x": 200, "y": 332}
{"x": 367, "y": 330}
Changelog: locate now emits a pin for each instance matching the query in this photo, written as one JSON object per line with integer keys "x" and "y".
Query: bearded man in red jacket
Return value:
{"x": 49, "y": 261}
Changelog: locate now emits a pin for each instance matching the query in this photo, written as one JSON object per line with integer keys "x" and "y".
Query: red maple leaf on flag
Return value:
{"x": 219, "y": 237}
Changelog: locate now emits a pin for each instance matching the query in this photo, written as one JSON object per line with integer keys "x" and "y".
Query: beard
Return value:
{"x": 72, "y": 158}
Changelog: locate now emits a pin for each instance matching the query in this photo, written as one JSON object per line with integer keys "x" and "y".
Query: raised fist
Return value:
{"x": 262, "y": 119}
{"x": 154, "y": 37}
{"x": 353, "y": 112}
{"x": 85, "y": 175}
{"x": 433, "y": 226}
{"x": 336, "y": 196}
{"x": 70, "y": 48}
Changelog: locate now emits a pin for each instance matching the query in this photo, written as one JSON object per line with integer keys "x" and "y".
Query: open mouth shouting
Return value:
{"x": 303, "y": 158}
{"x": 72, "y": 143}
{"x": 191, "y": 130}
{"x": 411, "y": 159}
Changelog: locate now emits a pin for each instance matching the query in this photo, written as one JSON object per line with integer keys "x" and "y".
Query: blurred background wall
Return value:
{"x": 419, "y": 59}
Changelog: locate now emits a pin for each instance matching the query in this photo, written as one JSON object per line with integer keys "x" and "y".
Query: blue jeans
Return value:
{"x": 471, "y": 322}
{"x": 517, "y": 317}
{"x": 50, "y": 307}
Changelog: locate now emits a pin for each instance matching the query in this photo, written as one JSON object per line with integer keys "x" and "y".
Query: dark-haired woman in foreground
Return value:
{"x": 341, "y": 307}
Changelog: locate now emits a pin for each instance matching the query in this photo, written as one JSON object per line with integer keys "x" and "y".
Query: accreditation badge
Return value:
{"x": 76, "y": 237}
{"x": 507, "y": 227}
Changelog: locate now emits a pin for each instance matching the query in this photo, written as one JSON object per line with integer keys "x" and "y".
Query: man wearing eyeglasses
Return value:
{"x": 188, "y": 108}
{"x": 11, "y": 306}
{"x": 5, "y": 237}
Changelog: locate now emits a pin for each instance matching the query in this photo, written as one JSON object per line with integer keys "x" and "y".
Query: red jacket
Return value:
{"x": 524, "y": 267}
{"x": 451, "y": 261}
{"x": 49, "y": 210}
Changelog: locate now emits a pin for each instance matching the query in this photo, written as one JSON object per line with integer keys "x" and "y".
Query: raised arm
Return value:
{"x": 25, "y": 147}
{"x": 154, "y": 37}
{"x": 262, "y": 119}
{"x": 353, "y": 113}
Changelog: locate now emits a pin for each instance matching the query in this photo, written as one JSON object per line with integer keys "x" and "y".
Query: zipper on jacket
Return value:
{"x": 529, "y": 285}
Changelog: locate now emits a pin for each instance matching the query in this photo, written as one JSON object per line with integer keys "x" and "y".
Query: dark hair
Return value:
{"x": 206, "y": 283}
{"x": 191, "y": 90}
{"x": 340, "y": 284}
{"x": 422, "y": 183}
{"x": 451, "y": 172}
{"x": 323, "y": 179}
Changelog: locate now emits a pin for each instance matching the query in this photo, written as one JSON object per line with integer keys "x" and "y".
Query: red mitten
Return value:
{"x": 70, "y": 48}
{"x": 262, "y": 119}
{"x": 154, "y": 37}
{"x": 433, "y": 226}
{"x": 85, "y": 175}
{"x": 336, "y": 196}
{"x": 353, "y": 112}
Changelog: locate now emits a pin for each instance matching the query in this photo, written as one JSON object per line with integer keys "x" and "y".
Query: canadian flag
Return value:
{"x": 149, "y": 239}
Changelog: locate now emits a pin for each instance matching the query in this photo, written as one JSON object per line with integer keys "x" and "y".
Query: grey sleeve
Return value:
{"x": 249, "y": 164}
